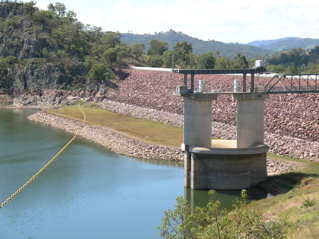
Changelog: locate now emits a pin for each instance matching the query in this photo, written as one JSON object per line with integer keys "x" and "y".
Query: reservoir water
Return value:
{"x": 88, "y": 192}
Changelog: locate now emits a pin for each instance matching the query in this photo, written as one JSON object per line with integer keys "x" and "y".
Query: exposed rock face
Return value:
{"x": 33, "y": 56}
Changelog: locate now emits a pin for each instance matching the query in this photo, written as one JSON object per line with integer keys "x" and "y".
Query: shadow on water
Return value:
{"x": 227, "y": 197}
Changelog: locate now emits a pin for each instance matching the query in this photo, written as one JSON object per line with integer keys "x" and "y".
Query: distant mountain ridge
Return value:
{"x": 286, "y": 43}
{"x": 255, "y": 49}
{"x": 199, "y": 46}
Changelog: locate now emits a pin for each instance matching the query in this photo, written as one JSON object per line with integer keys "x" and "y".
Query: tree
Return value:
{"x": 207, "y": 61}
{"x": 111, "y": 54}
{"x": 155, "y": 61}
{"x": 112, "y": 39}
{"x": 59, "y": 9}
{"x": 213, "y": 221}
{"x": 241, "y": 61}
{"x": 182, "y": 51}
{"x": 223, "y": 63}
{"x": 292, "y": 69}
{"x": 157, "y": 47}
{"x": 137, "y": 49}
{"x": 168, "y": 59}
{"x": 176, "y": 224}
{"x": 99, "y": 72}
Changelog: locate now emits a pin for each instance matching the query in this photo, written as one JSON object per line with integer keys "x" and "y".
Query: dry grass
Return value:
{"x": 142, "y": 129}
{"x": 299, "y": 207}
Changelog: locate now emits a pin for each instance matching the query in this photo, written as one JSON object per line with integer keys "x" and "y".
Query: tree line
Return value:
{"x": 296, "y": 60}
{"x": 291, "y": 61}
{"x": 182, "y": 56}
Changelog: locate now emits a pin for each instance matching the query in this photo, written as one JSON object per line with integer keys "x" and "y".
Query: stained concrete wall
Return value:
{"x": 197, "y": 122}
{"x": 227, "y": 169}
{"x": 250, "y": 119}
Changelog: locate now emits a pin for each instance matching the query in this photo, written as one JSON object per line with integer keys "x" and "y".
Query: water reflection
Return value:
{"x": 227, "y": 197}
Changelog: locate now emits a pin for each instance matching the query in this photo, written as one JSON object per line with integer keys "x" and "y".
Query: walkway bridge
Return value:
{"x": 293, "y": 83}
{"x": 277, "y": 83}
{"x": 239, "y": 163}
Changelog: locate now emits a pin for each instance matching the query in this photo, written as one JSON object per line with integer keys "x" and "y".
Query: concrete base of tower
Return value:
{"x": 223, "y": 166}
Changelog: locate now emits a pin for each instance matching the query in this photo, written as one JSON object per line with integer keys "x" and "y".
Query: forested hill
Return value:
{"x": 199, "y": 46}
{"x": 52, "y": 50}
{"x": 286, "y": 43}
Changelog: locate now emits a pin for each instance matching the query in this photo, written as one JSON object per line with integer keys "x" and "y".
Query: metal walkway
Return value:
{"x": 289, "y": 83}
{"x": 278, "y": 83}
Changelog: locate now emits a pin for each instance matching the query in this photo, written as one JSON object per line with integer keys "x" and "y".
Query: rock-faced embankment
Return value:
{"x": 291, "y": 120}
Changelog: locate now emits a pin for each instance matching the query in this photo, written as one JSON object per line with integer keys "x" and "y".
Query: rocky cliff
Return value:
{"x": 50, "y": 50}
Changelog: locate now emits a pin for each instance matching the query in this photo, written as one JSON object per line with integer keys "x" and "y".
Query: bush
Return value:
{"x": 213, "y": 221}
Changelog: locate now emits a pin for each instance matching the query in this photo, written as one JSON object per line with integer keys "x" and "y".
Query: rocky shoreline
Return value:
{"x": 130, "y": 147}
{"x": 107, "y": 138}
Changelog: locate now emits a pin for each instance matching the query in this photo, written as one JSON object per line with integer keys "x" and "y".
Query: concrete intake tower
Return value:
{"x": 222, "y": 164}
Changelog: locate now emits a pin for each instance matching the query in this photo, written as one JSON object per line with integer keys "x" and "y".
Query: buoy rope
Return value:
{"x": 46, "y": 165}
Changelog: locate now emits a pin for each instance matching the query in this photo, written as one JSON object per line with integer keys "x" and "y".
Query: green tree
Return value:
{"x": 213, "y": 221}
{"x": 111, "y": 54}
{"x": 241, "y": 61}
{"x": 182, "y": 51}
{"x": 155, "y": 61}
{"x": 207, "y": 61}
{"x": 292, "y": 69}
{"x": 168, "y": 59}
{"x": 59, "y": 9}
{"x": 157, "y": 47}
{"x": 223, "y": 63}
{"x": 5, "y": 77}
{"x": 193, "y": 62}
{"x": 99, "y": 72}
{"x": 176, "y": 223}
{"x": 137, "y": 49}
{"x": 112, "y": 39}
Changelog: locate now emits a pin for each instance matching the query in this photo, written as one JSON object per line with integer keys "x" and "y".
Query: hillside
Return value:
{"x": 199, "y": 46}
{"x": 286, "y": 43}
{"x": 53, "y": 50}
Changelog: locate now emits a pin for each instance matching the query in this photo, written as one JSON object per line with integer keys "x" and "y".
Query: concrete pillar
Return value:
{"x": 192, "y": 83}
{"x": 197, "y": 122}
{"x": 252, "y": 83}
{"x": 185, "y": 80}
{"x": 187, "y": 167}
{"x": 244, "y": 83}
{"x": 250, "y": 119}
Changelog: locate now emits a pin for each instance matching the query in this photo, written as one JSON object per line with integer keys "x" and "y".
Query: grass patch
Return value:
{"x": 144, "y": 130}
{"x": 298, "y": 207}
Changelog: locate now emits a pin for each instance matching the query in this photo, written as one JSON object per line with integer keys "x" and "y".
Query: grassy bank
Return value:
{"x": 141, "y": 129}
{"x": 298, "y": 201}
{"x": 298, "y": 207}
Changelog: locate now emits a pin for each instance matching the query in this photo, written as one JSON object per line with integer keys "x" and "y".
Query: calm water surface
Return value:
{"x": 88, "y": 192}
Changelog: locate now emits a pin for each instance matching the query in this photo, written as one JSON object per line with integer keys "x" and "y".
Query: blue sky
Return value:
{"x": 222, "y": 20}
